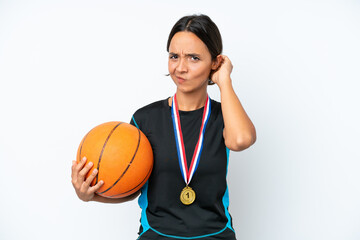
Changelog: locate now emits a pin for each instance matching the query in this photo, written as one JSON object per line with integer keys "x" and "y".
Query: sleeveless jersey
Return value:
{"x": 163, "y": 215}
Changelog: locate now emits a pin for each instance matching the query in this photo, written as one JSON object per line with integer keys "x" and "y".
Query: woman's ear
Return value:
{"x": 216, "y": 63}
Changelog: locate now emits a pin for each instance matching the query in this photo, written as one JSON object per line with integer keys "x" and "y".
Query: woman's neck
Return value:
{"x": 190, "y": 101}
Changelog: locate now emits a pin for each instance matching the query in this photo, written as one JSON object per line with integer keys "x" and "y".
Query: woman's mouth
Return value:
{"x": 180, "y": 80}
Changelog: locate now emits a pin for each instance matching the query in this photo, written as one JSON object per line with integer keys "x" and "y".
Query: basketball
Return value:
{"x": 123, "y": 156}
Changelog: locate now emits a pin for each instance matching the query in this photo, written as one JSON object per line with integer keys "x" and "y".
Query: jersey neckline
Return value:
{"x": 166, "y": 104}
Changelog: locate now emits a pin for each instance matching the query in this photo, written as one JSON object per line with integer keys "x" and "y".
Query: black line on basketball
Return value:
{"x": 128, "y": 166}
{"x": 102, "y": 151}
{"x": 117, "y": 195}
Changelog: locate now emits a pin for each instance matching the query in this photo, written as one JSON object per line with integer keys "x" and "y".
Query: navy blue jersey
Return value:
{"x": 163, "y": 215}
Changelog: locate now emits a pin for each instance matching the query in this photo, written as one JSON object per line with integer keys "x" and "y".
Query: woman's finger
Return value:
{"x": 96, "y": 186}
{"x": 91, "y": 177}
{"x": 84, "y": 171}
{"x": 73, "y": 166}
{"x": 80, "y": 165}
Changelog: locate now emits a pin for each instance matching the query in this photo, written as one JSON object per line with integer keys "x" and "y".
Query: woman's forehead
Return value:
{"x": 187, "y": 43}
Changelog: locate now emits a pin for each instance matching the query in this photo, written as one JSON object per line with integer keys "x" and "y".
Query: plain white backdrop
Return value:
{"x": 66, "y": 66}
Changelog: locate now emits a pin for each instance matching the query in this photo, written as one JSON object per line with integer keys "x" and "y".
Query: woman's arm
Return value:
{"x": 98, "y": 198}
{"x": 239, "y": 132}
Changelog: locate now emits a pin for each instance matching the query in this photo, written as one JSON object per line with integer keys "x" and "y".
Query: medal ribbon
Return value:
{"x": 186, "y": 172}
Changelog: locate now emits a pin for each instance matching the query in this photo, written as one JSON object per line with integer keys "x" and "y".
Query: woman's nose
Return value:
{"x": 182, "y": 65}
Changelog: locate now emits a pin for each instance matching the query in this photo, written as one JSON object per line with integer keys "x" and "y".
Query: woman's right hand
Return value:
{"x": 82, "y": 186}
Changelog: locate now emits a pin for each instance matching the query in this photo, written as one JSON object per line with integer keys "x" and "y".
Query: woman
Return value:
{"x": 186, "y": 196}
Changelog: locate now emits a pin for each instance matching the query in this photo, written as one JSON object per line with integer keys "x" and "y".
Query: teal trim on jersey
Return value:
{"x": 143, "y": 203}
{"x": 225, "y": 199}
{"x": 135, "y": 122}
{"x": 196, "y": 237}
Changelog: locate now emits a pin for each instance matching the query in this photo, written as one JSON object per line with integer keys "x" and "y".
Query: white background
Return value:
{"x": 66, "y": 66}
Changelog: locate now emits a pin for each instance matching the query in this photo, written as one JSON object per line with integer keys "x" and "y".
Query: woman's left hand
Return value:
{"x": 222, "y": 73}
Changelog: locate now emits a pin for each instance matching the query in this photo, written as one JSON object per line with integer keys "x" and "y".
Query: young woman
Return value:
{"x": 186, "y": 196}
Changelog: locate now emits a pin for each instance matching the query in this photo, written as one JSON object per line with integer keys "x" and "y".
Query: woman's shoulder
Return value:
{"x": 215, "y": 106}
{"x": 215, "y": 103}
{"x": 152, "y": 107}
{"x": 149, "y": 113}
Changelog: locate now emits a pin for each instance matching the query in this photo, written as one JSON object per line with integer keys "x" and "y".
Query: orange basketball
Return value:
{"x": 123, "y": 156}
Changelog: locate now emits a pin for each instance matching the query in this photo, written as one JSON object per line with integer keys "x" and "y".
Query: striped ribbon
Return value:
{"x": 186, "y": 172}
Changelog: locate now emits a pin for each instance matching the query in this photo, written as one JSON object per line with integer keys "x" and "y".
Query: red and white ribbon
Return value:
{"x": 188, "y": 173}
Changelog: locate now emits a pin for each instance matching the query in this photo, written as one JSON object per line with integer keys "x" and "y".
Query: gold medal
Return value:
{"x": 187, "y": 195}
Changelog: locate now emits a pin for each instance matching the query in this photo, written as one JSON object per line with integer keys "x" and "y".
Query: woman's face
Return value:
{"x": 189, "y": 62}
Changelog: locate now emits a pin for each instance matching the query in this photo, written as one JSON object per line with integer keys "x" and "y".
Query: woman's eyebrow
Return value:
{"x": 187, "y": 54}
{"x": 192, "y": 55}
